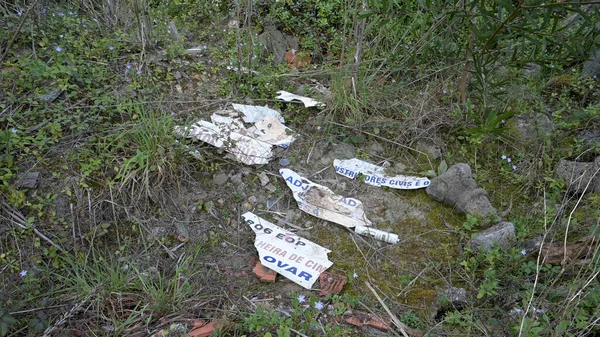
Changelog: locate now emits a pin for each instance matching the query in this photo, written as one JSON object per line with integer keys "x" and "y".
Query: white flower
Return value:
{"x": 23, "y": 273}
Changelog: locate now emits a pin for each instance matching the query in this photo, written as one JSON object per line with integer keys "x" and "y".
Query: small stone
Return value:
{"x": 220, "y": 179}
{"x": 264, "y": 179}
{"x": 449, "y": 300}
{"x": 271, "y": 188}
{"x": 501, "y": 235}
{"x": 252, "y": 199}
{"x": 29, "y": 180}
{"x": 221, "y": 202}
{"x": 284, "y": 162}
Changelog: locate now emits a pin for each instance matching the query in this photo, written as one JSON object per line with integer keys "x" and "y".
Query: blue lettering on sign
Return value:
{"x": 292, "y": 270}
{"x": 348, "y": 201}
{"x": 297, "y": 183}
{"x": 426, "y": 182}
{"x": 344, "y": 171}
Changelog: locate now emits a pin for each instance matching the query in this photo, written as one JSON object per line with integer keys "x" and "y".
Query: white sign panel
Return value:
{"x": 375, "y": 175}
{"x": 288, "y": 97}
{"x": 320, "y": 201}
{"x": 290, "y": 255}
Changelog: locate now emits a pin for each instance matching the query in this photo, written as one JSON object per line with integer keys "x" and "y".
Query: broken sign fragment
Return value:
{"x": 253, "y": 113}
{"x": 288, "y": 97}
{"x": 375, "y": 175}
{"x": 250, "y": 145}
{"x": 321, "y": 202}
{"x": 292, "y": 256}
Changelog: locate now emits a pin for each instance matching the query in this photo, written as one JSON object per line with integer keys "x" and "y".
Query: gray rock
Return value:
{"x": 29, "y": 180}
{"x": 580, "y": 177}
{"x": 432, "y": 149}
{"x": 220, "y": 179}
{"x": 501, "y": 234}
{"x": 50, "y": 96}
{"x": 457, "y": 188}
{"x": 590, "y": 137}
{"x": 591, "y": 67}
{"x": 450, "y": 299}
{"x": 531, "y": 129}
{"x": 533, "y": 245}
{"x": 532, "y": 70}
{"x": 173, "y": 32}
{"x": 276, "y": 43}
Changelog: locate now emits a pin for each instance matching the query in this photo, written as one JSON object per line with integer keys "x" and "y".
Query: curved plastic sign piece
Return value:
{"x": 290, "y": 255}
{"x": 308, "y": 102}
{"x": 375, "y": 175}
{"x": 320, "y": 201}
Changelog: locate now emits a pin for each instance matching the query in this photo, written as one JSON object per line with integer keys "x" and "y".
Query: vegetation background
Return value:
{"x": 90, "y": 93}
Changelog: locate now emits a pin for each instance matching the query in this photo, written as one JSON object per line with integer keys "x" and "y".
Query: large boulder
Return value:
{"x": 457, "y": 188}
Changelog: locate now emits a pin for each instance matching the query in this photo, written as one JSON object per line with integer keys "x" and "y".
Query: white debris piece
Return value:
{"x": 270, "y": 130}
{"x": 248, "y": 145}
{"x": 308, "y": 102}
{"x": 247, "y": 150}
{"x": 254, "y": 114}
{"x": 375, "y": 175}
{"x": 377, "y": 234}
{"x": 290, "y": 255}
{"x": 321, "y": 202}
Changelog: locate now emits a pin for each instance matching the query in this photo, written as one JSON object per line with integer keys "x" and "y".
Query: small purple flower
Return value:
{"x": 173, "y": 113}
{"x": 61, "y": 14}
{"x": 393, "y": 80}
{"x": 301, "y": 298}
{"x": 84, "y": 25}
{"x": 503, "y": 122}
{"x": 139, "y": 72}
{"x": 503, "y": 156}
{"x": 444, "y": 91}
{"x": 61, "y": 36}
{"x": 539, "y": 311}
{"x": 13, "y": 130}
{"x": 595, "y": 76}
{"x": 128, "y": 66}
{"x": 355, "y": 275}
{"x": 421, "y": 93}
{"x": 111, "y": 48}
{"x": 59, "y": 49}
{"x": 23, "y": 273}
{"x": 95, "y": 20}
{"x": 514, "y": 167}
{"x": 319, "y": 305}
{"x": 319, "y": 128}
{"x": 509, "y": 159}
{"x": 71, "y": 13}
{"x": 524, "y": 252}
{"x": 19, "y": 13}
{"x": 517, "y": 311}
{"x": 44, "y": 10}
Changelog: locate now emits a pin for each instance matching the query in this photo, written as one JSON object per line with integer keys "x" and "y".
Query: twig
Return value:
{"x": 48, "y": 332}
{"x": 403, "y": 327}
{"x": 386, "y": 140}
{"x": 20, "y": 221}
{"x": 12, "y": 40}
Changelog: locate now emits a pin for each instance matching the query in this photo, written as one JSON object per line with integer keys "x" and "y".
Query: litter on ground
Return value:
{"x": 308, "y": 102}
{"x": 252, "y": 145}
{"x": 375, "y": 175}
{"x": 290, "y": 255}
{"x": 320, "y": 201}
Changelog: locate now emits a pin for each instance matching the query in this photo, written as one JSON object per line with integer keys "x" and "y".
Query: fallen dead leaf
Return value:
{"x": 359, "y": 319}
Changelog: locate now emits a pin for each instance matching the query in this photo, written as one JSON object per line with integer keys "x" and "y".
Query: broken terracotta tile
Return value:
{"x": 264, "y": 274}
{"x": 359, "y": 319}
{"x": 331, "y": 283}
{"x": 208, "y": 329}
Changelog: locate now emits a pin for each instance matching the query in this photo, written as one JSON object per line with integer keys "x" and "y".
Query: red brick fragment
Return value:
{"x": 331, "y": 283}
{"x": 264, "y": 274}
